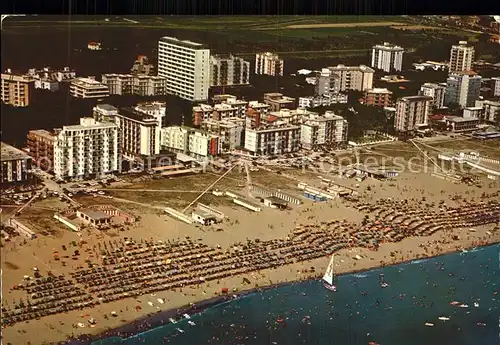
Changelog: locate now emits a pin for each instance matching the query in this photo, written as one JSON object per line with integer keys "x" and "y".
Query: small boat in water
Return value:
{"x": 429, "y": 324}
{"x": 476, "y": 304}
{"x": 383, "y": 283}
{"x": 454, "y": 303}
{"x": 186, "y": 316}
{"x": 329, "y": 277}
{"x": 481, "y": 324}
{"x": 443, "y": 318}
{"x": 160, "y": 300}
{"x": 463, "y": 305}
{"x": 191, "y": 323}
{"x": 151, "y": 304}
{"x": 179, "y": 330}
{"x": 172, "y": 320}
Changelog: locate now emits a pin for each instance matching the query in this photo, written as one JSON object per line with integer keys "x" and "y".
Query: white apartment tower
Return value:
{"x": 268, "y": 64}
{"x": 461, "y": 57}
{"x": 410, "y": 112}
{"x": 186, "y": 67}
{"x": 90, "y": 148}
{"x": 273, "y": 140}
{"x": 436, "y": 91}
{"x": 387, "y": 57}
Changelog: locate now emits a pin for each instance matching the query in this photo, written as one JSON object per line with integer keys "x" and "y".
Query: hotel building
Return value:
{"x": 278, "y": 138}
{"x": 229, "y": 70}
{"x": 41, "y": 148}
{"x": 462, "y": 88}
{"x": 318, "y": 130}
{"x": 410, "y": 112}
{"x": 139, "y": 128}
{"x": 268, "y": 64}
{"x": 436, "y": 91}
{"x": 139, "y": 85}
{"x": 15, "y": 165}
{"x": 90, "y": 148}
{"x": 387, "y": 57}
{"x": 198, "y": 144}
{"x": 345, "y": 78}
{"x": 378, "y": 97}
{"x": 461, "y": 57}
{"x": 88, "y": 88}
{"x": 186, "y": 67}
{"x": 16, "y": 89}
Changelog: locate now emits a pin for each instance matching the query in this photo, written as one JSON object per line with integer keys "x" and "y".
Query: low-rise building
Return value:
{"x": 320, "y": 130}
{"x": 324, "y": 100}
{"x": 15, "y": 165}
{"x": 276, "y": 139}
{"x": 239, "y": 104}
{"x": 268, "y": 64}
{"x": 277, "y": 101}
{"x": 88, "y": 149}
{"x": 16, "y": 89}
{"x": 88, "y": 88}
{"x": 460, "y": 124}
{"x": 41, "y": 148}
{"x": 258, "y": 106}
{"x": 378, "y": 97}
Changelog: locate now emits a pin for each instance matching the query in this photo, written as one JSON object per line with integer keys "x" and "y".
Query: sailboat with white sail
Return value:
{"x": 329, "y": 277}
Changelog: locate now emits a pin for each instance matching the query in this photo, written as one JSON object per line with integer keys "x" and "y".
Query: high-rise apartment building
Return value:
{"x": 186, "y": 67}
{"x": 16, "y": 89}
{"x": 318, "y": 130}
{"x": 410, "y": 112}
{"x": 436, "y": 91}
{"x": 272, "y": 140}
{"x": 378, "y": 97}
{"x": 461, "y": 57}
{"x": 346, "y": 78}
{"x": 462, "y": 88}
{"x": 387, "y": 57}
{"x": 229, "y": 70}
{"x": 268, "y": 64}
{"x": 88, "y": 149}
{"x": 495, "y": 87}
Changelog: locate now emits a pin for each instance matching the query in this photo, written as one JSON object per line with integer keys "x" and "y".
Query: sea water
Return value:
{"x": 360, "y": 311}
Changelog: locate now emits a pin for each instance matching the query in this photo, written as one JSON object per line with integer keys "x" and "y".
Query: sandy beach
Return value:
{"x": 267, "y": 225}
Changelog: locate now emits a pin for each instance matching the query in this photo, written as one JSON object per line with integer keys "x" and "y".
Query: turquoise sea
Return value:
{"x": 361, "y": 311}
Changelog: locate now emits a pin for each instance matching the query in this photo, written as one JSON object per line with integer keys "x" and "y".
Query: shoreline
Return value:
{"x": 160, "y": 318}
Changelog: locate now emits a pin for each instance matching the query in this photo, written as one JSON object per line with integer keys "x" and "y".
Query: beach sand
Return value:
{"x": 56, "y": 328}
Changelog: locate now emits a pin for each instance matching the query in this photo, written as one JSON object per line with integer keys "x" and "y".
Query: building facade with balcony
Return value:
{"x": 387, "y": 57}
{"x": 268, "y": 64}
{"x": 88, "y": 149}
{"x": 277, "y": 101}
{"x": 88, "y": 88}
{"x": 323, "y": 130}
{"x": 344, "y": 78}
{"x": 138, "y": 85}
{"x": 436, "y": 91}
{"x": 229, "y": 70}
{"x": 462, "y": 89}
{"x": 15, "y": 165}
{"x": 230, "y": 131}
{"x": 271, "y": 140}
{"x": 41, "y": 148}
{"x": 411, "y": 111}
{"x": 16, "y": 89}
{"x": 378, "y": 97}
{"x": 186, "y": 67}
{"x": 461, "y": 57}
